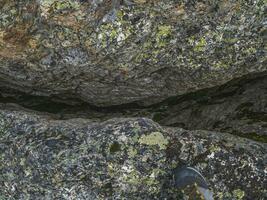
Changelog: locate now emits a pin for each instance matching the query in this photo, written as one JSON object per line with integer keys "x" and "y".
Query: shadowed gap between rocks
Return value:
{"x": 238, "y": 107}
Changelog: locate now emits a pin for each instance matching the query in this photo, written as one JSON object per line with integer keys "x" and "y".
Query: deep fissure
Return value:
{"x": 241, "y": 104}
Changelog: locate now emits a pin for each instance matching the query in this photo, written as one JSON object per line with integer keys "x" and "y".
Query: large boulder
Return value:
{"x": 42, "y": 157}
{"x": 108, "y": 52}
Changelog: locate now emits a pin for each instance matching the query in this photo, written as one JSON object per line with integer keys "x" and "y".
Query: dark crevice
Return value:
{"x": 54, "y": 104}
{"x": 239, "y": 105}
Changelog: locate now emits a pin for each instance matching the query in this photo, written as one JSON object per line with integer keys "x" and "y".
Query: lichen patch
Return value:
{"x": 155, "y": 138}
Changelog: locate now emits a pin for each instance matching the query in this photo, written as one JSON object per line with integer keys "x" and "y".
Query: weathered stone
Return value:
{"x": 238, "y": 107}
{"x": 90, "y": 73}
{"x": 45, "y": 158}
{"x": 114, "y": 52}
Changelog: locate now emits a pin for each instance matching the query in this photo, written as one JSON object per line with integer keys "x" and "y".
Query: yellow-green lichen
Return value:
{"x": 214, "y": 148}
{"x": 251, "y": 50}
{"x": 117, "y": 31}
{"x": 48, "y": 6}
{"x": 112, "y": 170}
{"x": 135, "y": 137}
{"x": 132, "y": 152}
{"x": 47, "y": 3}
{"x": 62, "y": 5}
{"x": 132, "y": 177}
{"x": 163, "y": 32}
{"x": 238, "y": 194}
{"x": 220, "y": 196}
{"x": 154, "y": 46}
{"x": 231, "y": 40}
{"x": 45, "y": 6}
{"x": 220, "y": 65}
{"x": 200, "y": 45}
{"x": 155, "y": 138}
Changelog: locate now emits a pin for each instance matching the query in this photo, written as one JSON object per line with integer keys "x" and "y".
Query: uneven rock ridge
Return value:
{"x": 106, "y": 99}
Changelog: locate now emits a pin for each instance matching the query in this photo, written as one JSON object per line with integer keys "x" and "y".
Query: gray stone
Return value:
{"x": 131, "y": 158}
{"x": 145, "y": 52}
{"x": 238, "y": 107}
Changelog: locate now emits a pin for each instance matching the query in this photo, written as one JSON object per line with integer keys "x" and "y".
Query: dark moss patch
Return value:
{"x": 115, "y": 147}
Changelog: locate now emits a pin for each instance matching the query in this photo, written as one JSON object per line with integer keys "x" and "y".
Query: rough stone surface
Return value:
{"x": 104, "y": 99}
{"x": 130, "y": 158}
{"x": 109, "y": 52}
{"x": 239, "y": 107}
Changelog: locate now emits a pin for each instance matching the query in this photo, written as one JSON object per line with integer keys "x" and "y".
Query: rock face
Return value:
{"x": 104, "y": 99}
{"x": 130, "y": 158}
{"x": 110, "y": 52}
{"x": 239, "y": 107}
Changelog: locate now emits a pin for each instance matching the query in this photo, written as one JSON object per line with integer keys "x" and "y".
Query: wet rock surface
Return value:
{"x": 116, "y": 52}
{"x": 131, "y": 158}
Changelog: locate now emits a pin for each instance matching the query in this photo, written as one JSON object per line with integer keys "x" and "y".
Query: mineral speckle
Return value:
{"x": 44, "y": 158}
{"x": 106, "y": 52}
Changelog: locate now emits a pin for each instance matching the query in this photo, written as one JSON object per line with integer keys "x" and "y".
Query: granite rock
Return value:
{"x": 121, "y": 158}
{"x": 110, "y": 52}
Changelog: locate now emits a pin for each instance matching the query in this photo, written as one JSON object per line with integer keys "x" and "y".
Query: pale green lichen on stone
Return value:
{"x": 251, "y": 50}
{"x": 148, "y": 31}
{"x": 151, "y": 48}
{"x": 135, "y": 137}
{"x": 45, "y": 6}
{"x": 238, "y": 194}
{"x": 67, "y": 5}
{"x": 219, "y": 195}
{"x": 200, "y": 45}
{"x": 155, "y": 138}
{"x": 59, "y": 5}
{"x": 131, "y": 175}
{"x": 220, "y": 65}
{"x": 111, "y": 169}
{"x": 214, "y": 148}
{"x": 114, "y": 32}
{"x": 132, "y": 152}
{"x": 134, "y": 178}
{"x": 163, "y": 32}
{"x": 48, "y": 6}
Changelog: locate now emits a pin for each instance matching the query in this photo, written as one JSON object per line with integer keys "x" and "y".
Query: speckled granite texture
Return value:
{"x": 130, "y": 158}
{"x": 110, "y": 52}
{"x": 105, "y": 99}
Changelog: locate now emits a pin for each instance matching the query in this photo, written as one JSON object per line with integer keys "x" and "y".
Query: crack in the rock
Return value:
{"x": 238, "y": 107}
